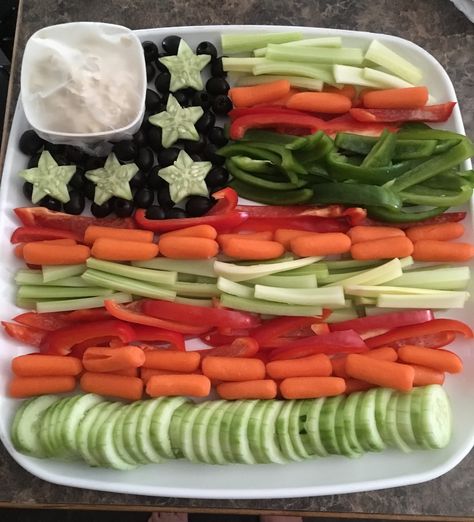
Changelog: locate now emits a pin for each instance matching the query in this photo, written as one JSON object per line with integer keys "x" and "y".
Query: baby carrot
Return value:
{"x": 64, "y": 242}
{"x": 266, "y": 235}
{"x": 37, "y": 365}
{"x": 172, "y": 360}
{"x": 147, "y": 373}
{"x": 321, "y": 244}
{"x": 311, "y": 387}
{"x": 404, "y": 98}
{"x": 355, "y": 385}
{"x": 346, "y": 90}
{"x": 195, "y": 231}
{"x": 188, "y": 247}
{"x": 258, "y": 94}
{"x": 260, "y": 389}
{"x": 281, "y": 102}
{"x": 93, "y": 232}
{"x": 233, "y": 368}
{"x": 384, "y": 353}
{"x": 128, "y": 372}
{"x": 20, "y": 387}
{"x": 113, "y": 359}
{"x": 327, "y": 102}
{"x": 436, "y": 358}
{"x": 444, "y": 251}
{"x": 252, "y": 249}
{"x": 361, "y": 233}
{"x": 318, "y": 365}
{"x": 440, "y": 232}
{"x": 285, "y": 235}
{"x": 173, "y": 385}
{"x": 38, "y": 253}
{"x": 339, "y": 367}
{"x": 386, "y": 248}
{"x": 112, "y": 385}
{"x": 123, "y": 250}
{"x": 425, "y": 376}
{"x": 382, "y": 373}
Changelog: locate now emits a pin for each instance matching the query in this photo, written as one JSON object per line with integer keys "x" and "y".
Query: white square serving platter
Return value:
{"x": 332, "y": 475}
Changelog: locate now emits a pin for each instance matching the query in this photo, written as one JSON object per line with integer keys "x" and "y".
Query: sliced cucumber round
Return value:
{"x": 16, "y": 421}
{"x": 200, "y": 428}
{"x": 44, "y": 429}
{"x": 295, "y": 425}
{"x": 160, "y": 425}
{"x": 174, "y": 431}
{"x": 254, "y": 431}
{"x": 366, "y": 426}
{"x": 435, "y": 417}
{"x": 327, "y": 424}
{"x": 341, "y": 433}
{"x": 130, "y": 425}
{"x": 282, "y": 427}
{"x": 382, "y": 398}
{"x": 239, "y": 442}
{"x": 313, "y": 429}
{"x": 88, "y": 422}
{"x": 186, "y": 434}
{"x": 119, "y": 437}
{"x": 349, "y": 416}
{"x": 393, "y": 436}
{"x": 405, "y": 427}
{"x": 268, "y": 436}
{"x": 94, "y": 458}
{"x": 216, "y": 453}
{"x": 224, "y": 434}
{"x": 145, "y": 418}
{"x": 415, "y": 417}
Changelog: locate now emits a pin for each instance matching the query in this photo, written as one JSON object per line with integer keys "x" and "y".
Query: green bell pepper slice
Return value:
{"x": 427, "y": 196}
{"x": 261, "y": 195}
{"x": 244, "y": 149}
{"x": 381, "y": 153}
{"x": 356, "y": 194}
{"x": 391, "y": 215}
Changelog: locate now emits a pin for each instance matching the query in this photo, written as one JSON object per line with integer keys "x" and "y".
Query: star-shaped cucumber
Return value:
{"x": 176, "y": 122}
{"x": 49, "y": 179}
{"x": 185, "y": 68}
{"x": 112, "y": 180}
{"x": 186, "y": 177}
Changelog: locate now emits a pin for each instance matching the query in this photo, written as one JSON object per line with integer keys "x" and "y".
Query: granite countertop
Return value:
{"x": 437, "y": 26}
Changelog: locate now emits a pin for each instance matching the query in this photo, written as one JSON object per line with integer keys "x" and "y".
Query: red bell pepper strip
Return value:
{"x": 437, "y": 113}
{"x": 347, "y": 341}
{"x": 47, "y": 321}
{"x": 216, "y": 338}
{"x": 415, "y": 333}
{"x": 25, "y": 334}
{"x": 346, "y": 123}
{"x": 221, "y": 222}
{"x": 227, "y": 199}
{"x": 240, "y": 347}
{"x": 152, "y": 333}
{"x": 198, "y": 315}
{"x": 446, "y": 217}
{"x": 61, "y": 341}
{"x": 264, "y": 109}
{"x": 78, "y": 349}
{"x": 292, "y": 211}
{"x": 35, "y": 233}
{"x": 132, "y": 313}
{"x": 311, "y": 224}
{"x": 279, "y": 327}
{"x": 88, "y": 314}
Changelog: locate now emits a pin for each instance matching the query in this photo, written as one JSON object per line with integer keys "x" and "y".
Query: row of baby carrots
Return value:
{"x": 115, "y": 372}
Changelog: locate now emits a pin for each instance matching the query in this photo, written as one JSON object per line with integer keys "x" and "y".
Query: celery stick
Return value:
{"x": 196, "y": 289}
{"x": 336, "y": 278}
{"x": 230, "y": 287}
{"x": 80, "y": 304}
{"x": 60, "y": 292}
{"x": 29, "y": 277}
{"x": 53, "y": 273}
{"x": 200, "y": 268}
{"x": 350, "y": 264}
{"x": 28, "y": 304}
{"x": 365, "y": 301}
{"x": 133, "y": 272}
{"x": 375, "y": 291}
{"x": 243, "y": 273}
{"x": 381, "y": 55}
{"x": 296, "y": 281}
{"x": 373, "y": 276}
{"x": 194, "y": 302}
{"x": 342, "y": 314}
{"x": 318, "y": 269}
{"x": 241, "y": 64}
{"x": 325, "y": 41}
{"x": 444, "y": 301}
{"x": 373, "y": 310}
{"x": 386, "y": 81}
{"x": 245, "y": 42}
{"x": 125, "y": 284}
{"x": 67, "y": 281}
{"x": 322, "y": 72}
{"x": 453, "y": 278}
{"x": 259, "y": 306}
{"x": 187, "y": 278}
{"x": 326, "y": 296}
{"x": 205, "y": 279}
{"x": 343, "y": 55}
{"x": 285, "y": 257}
{"x": 352, "y": 76}
{"x": 309, "y": 84}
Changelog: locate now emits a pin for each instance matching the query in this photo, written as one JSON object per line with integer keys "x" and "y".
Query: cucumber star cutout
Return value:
{"x": 176, "y": 122}
{"x": 185, "y": 68}
{"x": 49, "y": 179}
{"x": 112, "y": 180}
{"x": 186, "y": 177}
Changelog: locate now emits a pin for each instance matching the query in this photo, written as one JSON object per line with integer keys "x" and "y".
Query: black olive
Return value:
{"x": 217, "y": 177}
{"x": 155, "y": 212}
{"x": 164, "y": 198}
{"x": 167, "y": 157}
{"x": 217, "y": 136}
{"x": 181, "y": 97}
{"x": 89, "y": 189}
{"x": 145, "y": 158}
{"x": 78, "y": 180}
{"x": 222, "y": 104}
{"x": 154, "y": 138}
{"x": 143, "y": 198}
{"x": 61, "y": 159}
{"x": 30, "y": 143}
{"x": 101, "y": 211}
{"x": 175, "y": 213}
{"x": 194, "y": 146}
{"x": 207, "y": 48}
{"x": 210, "y": 153}
{"x": 205, "y": 122}
{"x": 53, "y": 148}
{"x": 94, "y": 162}
{"x": 217, "y": 85}
{"x": 145, "y": 123}
{"x": 27, "y": 190}
{"x": 140, "y": 138}
{"x": 139, "y": 180}
{"x": 123, "y": 207}
{"x": 162, "y": 82}
{"x": 161, "y": 66}
{"x": 217, "y": 68}
{"x": 170, "y": 44}
{"x": 51, "y": 203}
{"x": 196, "y": 157}
{"x": 150, "y": 50}
{"x": 201, "y": 99}
{"x": 197, "y": 206}
{"x": 154, "y": 181}
{"x": 74, "y": 154}
{"x": 150, "y": 72}
{"x": 152, "y": 101}
{"x": 125, "y": 150}
{"x": 76, "y": 203}
{"x": 33, "y": 161}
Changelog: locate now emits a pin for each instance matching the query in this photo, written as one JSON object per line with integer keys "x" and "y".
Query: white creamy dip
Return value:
{"x": 83, "y": 78}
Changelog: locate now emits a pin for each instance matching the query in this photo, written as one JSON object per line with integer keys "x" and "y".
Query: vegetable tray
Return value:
{"x": 332, "y": 475}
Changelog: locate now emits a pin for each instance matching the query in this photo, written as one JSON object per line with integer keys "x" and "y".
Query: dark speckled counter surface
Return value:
{"x": 435, "y": 25}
